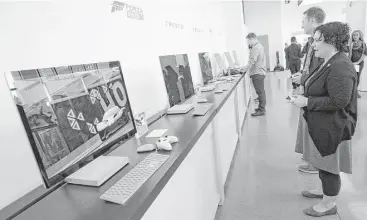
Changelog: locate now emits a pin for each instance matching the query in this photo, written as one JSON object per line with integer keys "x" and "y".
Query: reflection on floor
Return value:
{"x": 264, "y": 183}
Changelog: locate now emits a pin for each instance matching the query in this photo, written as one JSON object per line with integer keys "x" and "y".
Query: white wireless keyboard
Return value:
{"x": 121, "y": 191}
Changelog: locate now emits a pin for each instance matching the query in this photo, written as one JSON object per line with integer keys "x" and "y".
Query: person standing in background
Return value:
{"x": 294, "y": 55}
{"x": 286, "y": 56}
{"x": 257, "y": 70}
{"x": 357, "y": 53}
{"x": 308, "y": 44}
{"x": 312, "y": 18}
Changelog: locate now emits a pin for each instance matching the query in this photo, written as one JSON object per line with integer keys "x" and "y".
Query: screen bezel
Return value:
{"x": 191, "y": 95}
{"x": 57, "y": 178}
{"x": 211, "y": 67}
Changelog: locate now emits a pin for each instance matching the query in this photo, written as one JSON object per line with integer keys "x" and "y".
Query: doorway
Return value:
{"x": 264, "y": 40}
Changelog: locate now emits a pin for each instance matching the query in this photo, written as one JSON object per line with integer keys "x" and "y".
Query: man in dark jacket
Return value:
{"x": 294, "y": 55}
{"x": 312, "y": 18}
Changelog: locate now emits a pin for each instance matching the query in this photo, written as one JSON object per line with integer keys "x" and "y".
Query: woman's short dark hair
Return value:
{"x": 335, "y": 33}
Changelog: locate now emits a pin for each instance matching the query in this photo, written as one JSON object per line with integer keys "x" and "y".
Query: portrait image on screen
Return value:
{"x": 177, "y": 77}
{"x": 206, "y": 67}
{"x": 71, "y": 113}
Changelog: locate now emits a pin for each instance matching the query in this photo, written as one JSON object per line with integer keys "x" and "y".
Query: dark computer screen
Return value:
{"x": 177, "y": 77}
{"x": 206, "y": 67}
{"x": 72, "y": 114}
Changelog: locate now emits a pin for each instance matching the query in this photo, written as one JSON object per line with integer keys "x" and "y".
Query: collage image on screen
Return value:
{"x": 206, "y": 67}
{"x": 72, "y": 110}
{"x": 177, "y": 77}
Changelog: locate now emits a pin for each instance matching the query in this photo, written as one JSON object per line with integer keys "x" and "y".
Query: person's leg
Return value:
{"x": 331, "y": 184}
{"x": 361, "y": 65}
{"x": 293, "y": 69}
{"x": 298, "y": 69}
{"x": 258, "y": 81}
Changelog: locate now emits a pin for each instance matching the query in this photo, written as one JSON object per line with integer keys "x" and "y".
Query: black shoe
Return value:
{"x": 258, "y": 113}
{"x": 288, "y": 98}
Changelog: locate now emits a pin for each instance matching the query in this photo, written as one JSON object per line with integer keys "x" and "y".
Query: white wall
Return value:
{"x": 292, "y": 15}
{"x": 46, "y": 34}
{"x": 233, "y": 19}
{"x": 356, "y": 15}
{"x": 281, "y": 21}
{"x": 264, "y": 18}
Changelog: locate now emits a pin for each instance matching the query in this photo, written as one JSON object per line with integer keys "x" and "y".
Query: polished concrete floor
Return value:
{"x": 264, "y": 183}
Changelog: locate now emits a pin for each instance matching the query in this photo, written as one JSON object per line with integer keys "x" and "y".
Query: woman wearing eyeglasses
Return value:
{"x": 330, "y": 115}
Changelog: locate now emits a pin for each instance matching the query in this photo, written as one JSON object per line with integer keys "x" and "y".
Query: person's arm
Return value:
{"x": 304, "y": 50}
{"x": 254, "y": 54}
{"x": 339, "y": 87}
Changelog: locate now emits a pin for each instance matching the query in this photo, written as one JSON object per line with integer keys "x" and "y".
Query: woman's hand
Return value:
{"x": 300, "y": 101}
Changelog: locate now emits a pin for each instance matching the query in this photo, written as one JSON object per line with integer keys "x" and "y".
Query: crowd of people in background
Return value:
{"x": 325, "y": 91}
{"x": 295, "y": 54}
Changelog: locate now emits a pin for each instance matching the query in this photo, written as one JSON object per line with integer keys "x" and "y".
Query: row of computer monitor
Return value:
{"x": 73, "y": 114}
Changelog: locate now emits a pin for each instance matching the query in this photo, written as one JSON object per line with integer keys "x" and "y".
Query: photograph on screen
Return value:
{"x": 177, "y": 77}
{"x": 206, "y": 67}
{"x": 71, "y": 112}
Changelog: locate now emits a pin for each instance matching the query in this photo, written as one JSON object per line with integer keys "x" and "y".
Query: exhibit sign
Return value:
{"x": 132, "y": 11}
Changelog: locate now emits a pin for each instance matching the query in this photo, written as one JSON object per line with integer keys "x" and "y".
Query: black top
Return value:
{"x": 294, "y": 52}
{"x": 331, "y": 112}
{"x": 357, "y": 52}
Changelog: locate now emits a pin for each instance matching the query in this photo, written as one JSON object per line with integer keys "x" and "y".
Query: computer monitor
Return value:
{"x": 177, "y": 77}
{"x": 206, "y": 67}
{"x": 72, "y": 114}
{"x": 235, "y": 56}
{"x": 229, "y": 59}
{"x": 220, "y": 63}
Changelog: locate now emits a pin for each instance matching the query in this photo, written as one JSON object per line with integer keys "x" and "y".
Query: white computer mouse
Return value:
{"x": 146, "y": 148}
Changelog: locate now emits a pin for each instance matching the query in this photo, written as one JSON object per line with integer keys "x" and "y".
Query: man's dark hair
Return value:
{"x": 251, "y": 36}
{"x": 335, "y": 33}
{"x": 317, "y": 13}
{"x": 293, "y": 39}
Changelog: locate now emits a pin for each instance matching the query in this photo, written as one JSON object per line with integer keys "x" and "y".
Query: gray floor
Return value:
{"x": 264, "y": 183}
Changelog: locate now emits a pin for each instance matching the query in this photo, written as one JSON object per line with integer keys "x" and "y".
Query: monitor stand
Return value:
{"x": 98, "y": 171}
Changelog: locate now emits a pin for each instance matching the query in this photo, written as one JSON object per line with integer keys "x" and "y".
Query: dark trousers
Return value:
{"x": 361, "y": 65}
{"x": 331, "y": 183}
{"x": 295, "y": 67}
{"x": 258, "y": 81}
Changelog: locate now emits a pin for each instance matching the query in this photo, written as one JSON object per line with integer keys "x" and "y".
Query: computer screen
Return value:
{"x": 229, "y": 59}
{"x": 206, "y": 67}
{"x": 72, "y": 114}
{"x": 220, "y": 62}
{"x": 177, "y": 77}
{"x": 235, "y": 56}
